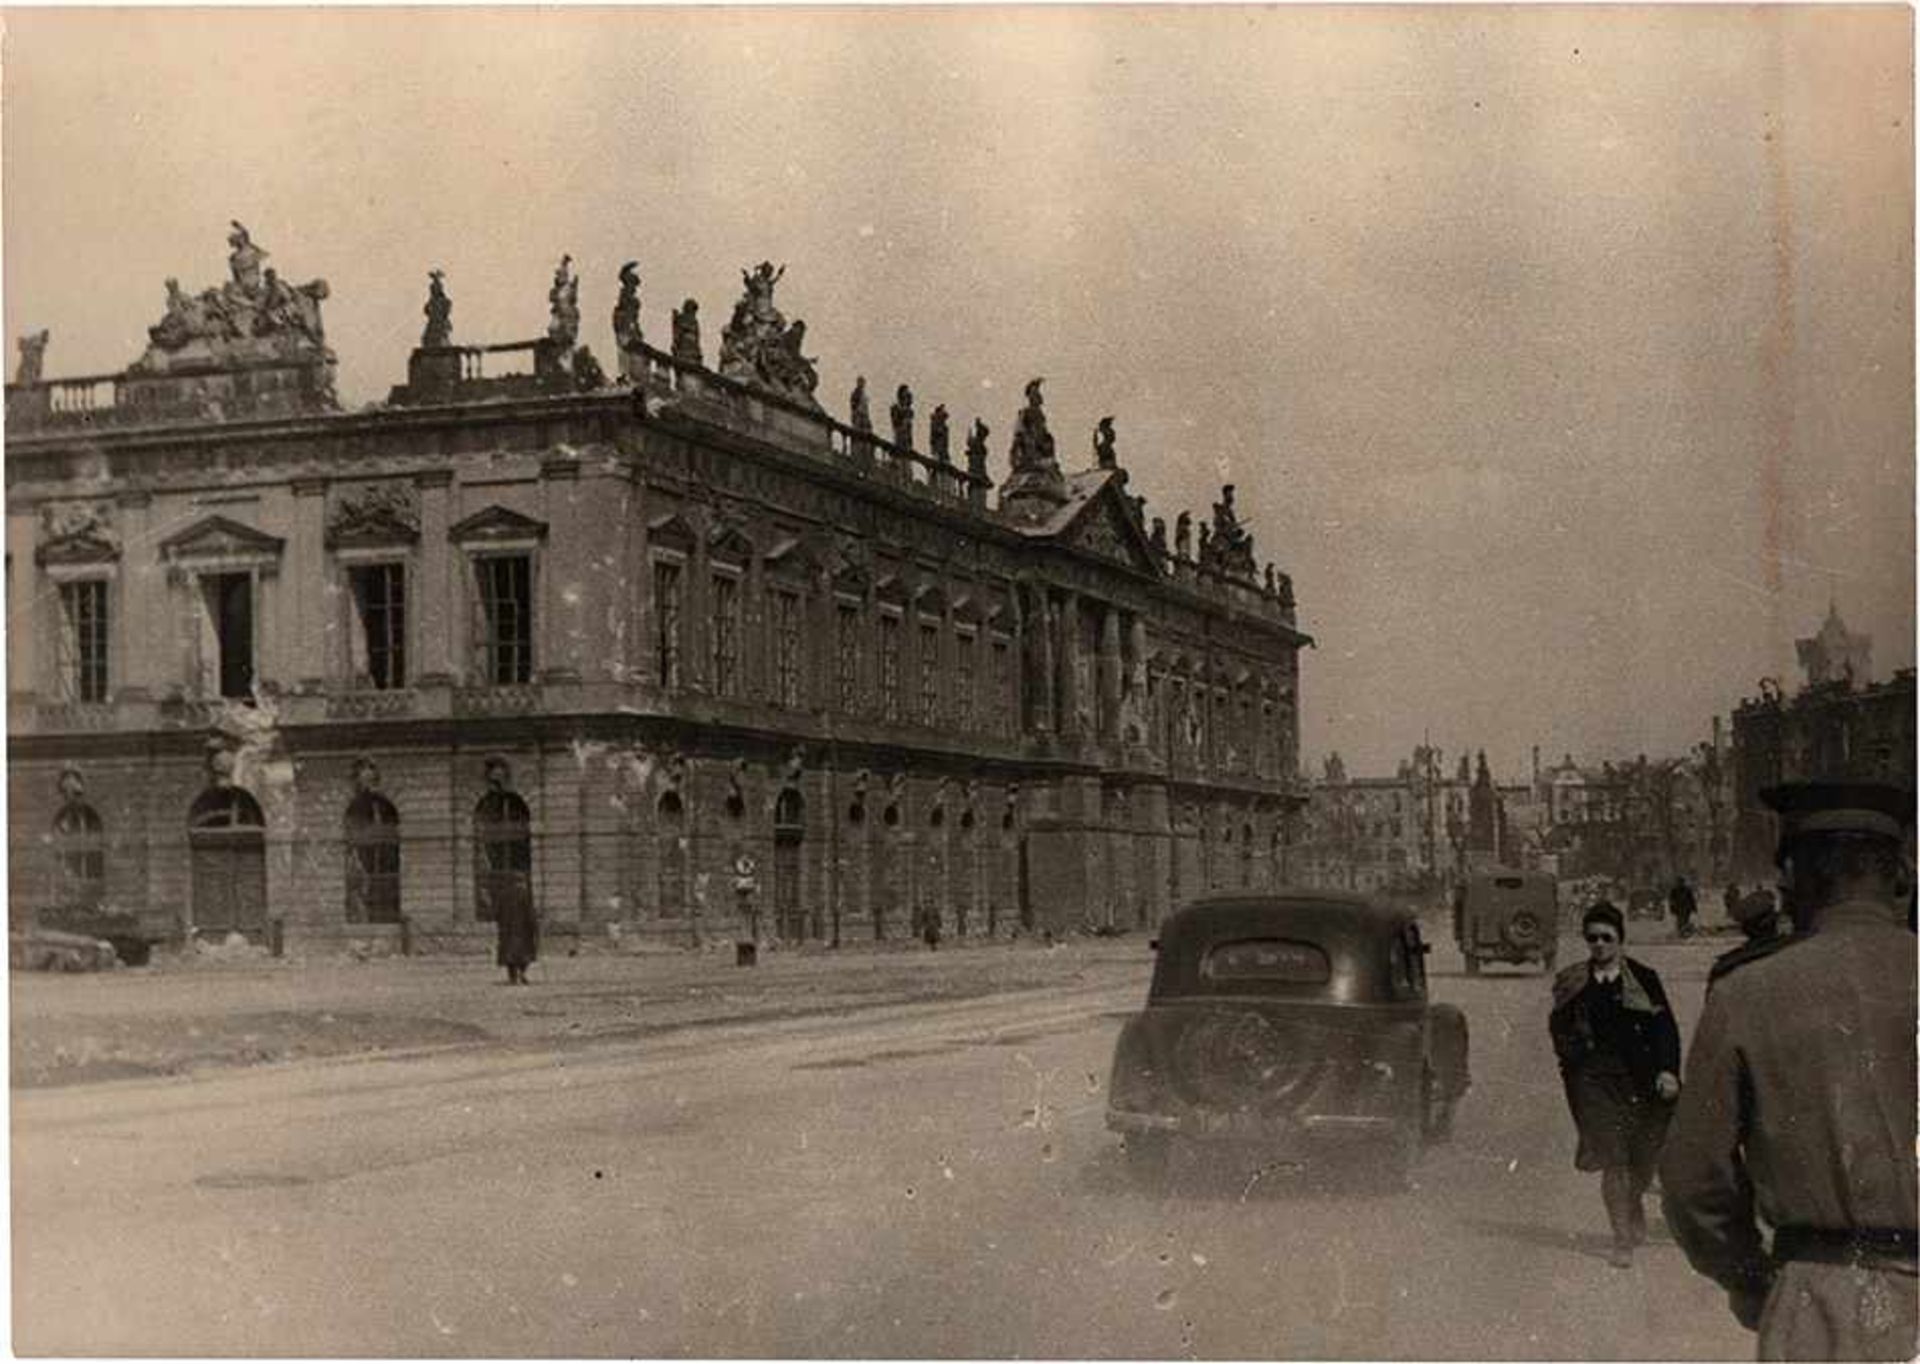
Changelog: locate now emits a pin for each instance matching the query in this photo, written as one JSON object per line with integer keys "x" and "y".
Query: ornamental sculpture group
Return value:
{"x": 254, "y": 316}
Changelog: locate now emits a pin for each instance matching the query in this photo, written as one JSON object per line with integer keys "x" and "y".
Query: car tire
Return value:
{"x": 1149, "y": 1155}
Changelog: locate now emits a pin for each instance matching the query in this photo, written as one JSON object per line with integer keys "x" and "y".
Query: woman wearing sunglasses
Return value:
{"x": 1619, "y": 1051}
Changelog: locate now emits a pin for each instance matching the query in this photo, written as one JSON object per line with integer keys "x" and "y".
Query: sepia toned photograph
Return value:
{"x": 961, "y": 682}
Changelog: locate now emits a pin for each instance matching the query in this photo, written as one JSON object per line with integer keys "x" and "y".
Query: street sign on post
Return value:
{"x": 745, "y": 885}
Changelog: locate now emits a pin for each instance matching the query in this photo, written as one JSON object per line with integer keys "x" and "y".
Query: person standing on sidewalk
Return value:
{"x": 1801, "y": 1097}
{"x": 1618, "y": 1046}
{"x": 1683, "y": 905}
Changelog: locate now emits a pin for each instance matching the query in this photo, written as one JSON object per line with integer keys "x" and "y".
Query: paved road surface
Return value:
{"x": 910, "y": 1182}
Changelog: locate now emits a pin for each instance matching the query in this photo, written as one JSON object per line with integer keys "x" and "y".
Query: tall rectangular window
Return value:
{"x": 668, "y": 606}
{"x": 726, "y": 635}
{"x": 506, "y": 618}
{"x": 380, "y": 602}
{"x": 228, "y": 598}
{"x": 846, "y": 657}
{"x": 890, "y": 667}
{"x": 83, "y": 637}
{"x": 929, "y": 673}
{"x": 963, "y": 681}
{"x": 786, "y": 649}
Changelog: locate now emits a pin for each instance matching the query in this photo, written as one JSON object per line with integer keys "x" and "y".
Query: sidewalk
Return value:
{"x": 180, "y": 1015}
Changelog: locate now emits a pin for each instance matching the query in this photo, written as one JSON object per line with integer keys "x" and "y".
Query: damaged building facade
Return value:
{"x": 663, "y": 647}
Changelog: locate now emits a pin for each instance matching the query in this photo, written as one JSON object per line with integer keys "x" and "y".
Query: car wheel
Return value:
{"x": 1148, "y": 1155}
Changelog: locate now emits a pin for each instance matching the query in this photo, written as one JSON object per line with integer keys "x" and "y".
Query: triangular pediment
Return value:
{"x": 931, "y": 601}
{"x": 671, "y": 532}
{"x": 1104, "y": 525}
{"x": 852, "y": 580}
{"x": 216, "y": 537}
{"x": 730, "y": 544}
{"x": 497, "y": 523}
{"x": 790, "y": 559}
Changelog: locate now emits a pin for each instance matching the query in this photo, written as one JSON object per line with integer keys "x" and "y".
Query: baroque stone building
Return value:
{"x": 670, "y": 651}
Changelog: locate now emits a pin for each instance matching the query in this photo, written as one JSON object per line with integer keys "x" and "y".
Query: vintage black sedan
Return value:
{"x": 1288, "y": 1024}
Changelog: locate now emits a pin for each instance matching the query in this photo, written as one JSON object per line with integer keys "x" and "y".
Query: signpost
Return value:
{"x": 745, "y": 885}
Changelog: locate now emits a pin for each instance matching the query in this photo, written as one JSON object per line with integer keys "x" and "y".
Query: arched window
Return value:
{"x": 503, "y": 853}
{"x": 80, "y": 851}
{"x": 670, "y": 829}
{"x": 372, "y": 837}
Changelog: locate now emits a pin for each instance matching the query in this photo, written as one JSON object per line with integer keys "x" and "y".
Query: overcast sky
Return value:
{"x": 1563, "y": 356}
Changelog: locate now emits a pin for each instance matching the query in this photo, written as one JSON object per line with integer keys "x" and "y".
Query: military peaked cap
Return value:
{"x": 1840, "y": 807}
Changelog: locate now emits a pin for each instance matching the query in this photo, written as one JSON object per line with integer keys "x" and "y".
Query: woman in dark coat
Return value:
{"x": 1619, "y": 1051}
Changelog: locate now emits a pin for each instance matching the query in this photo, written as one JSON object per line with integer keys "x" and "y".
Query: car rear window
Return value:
{"x": 1267, "y": 959}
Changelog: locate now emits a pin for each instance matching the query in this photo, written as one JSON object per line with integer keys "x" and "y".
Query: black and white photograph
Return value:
{"x": 1063, "y": 681}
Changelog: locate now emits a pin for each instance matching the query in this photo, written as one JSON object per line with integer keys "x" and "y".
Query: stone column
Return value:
{"x": 1071, "y": 664}
{"x": 1040, "y": 627}
{"x": 1110, "y": 673}
{"x": 137, "y": 656}
{"x": 310, "y": 656}
{"x": 560, "y": 626}
{"x": 437, "y": 600}
{"x": 25, "y": 640}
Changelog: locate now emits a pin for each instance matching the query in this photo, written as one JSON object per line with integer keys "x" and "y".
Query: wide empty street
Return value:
{"x": 906, "y": 1181}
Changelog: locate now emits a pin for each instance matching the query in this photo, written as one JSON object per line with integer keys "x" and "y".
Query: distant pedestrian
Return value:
{"x": 1730, "y": 898}
{"x": 1683, "y": 905}
{"x": 1759, "y": 919}
{"x": 930, "y": 927}
{"x": 1618, "y": 1046}
{"x": 517, "y": 928}
{"x": 1801, "y": 1097}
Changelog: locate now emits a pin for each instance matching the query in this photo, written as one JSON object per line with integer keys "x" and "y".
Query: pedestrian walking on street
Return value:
{"x": 1730, "y": 898}
{"x": 517, "y": 925}
{"x": 1801, "y": 1097}
{"x": 1618, "y": 1046}
{"x": 1682, "y": 904}
{"x": 1760, "y": 921}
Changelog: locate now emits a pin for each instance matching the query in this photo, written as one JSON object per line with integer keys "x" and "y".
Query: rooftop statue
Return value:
{"x": 1103, "y": 453}
{"x": 977, "y": 448}
{"x": 244, "y": 260}
{"x": 1232, "y": 542}
{"x": 255, "y": 316}
{"x": 859, "y": 417}
{"x": 563, "y": 303}
{"x": 1158, "y": 538}
{"x": 439, "y": 311}
{"x": 686, "y": 334}
{"x": 1183, "y": 536}
{"x": 793, "y": 371}
{"x": 901, "y": 415}
{"x": 33, "y": 357}
{"x": 1032, "y": 442}
{"x": 626, "y": 310}
{"x": 937, "y": 437}
{"x": 757, "y": 347}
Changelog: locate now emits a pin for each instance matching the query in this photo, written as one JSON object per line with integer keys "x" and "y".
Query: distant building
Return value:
{"x": 1839, "y": 724}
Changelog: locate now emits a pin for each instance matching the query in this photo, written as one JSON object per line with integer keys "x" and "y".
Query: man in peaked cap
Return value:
{"x": 1800, "y": 1097}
